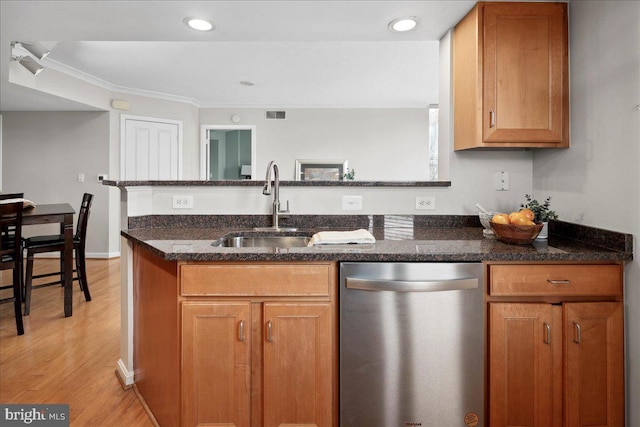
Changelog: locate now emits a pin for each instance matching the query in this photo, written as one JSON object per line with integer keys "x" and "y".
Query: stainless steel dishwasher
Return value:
{"x": 411, "y": 345}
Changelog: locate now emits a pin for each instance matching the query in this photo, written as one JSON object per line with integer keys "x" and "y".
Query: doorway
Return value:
{"x": 227, "y": 153}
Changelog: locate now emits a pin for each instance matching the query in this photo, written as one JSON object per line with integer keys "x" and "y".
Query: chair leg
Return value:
{"x": 17, "y": 293}
{"x": 21, "y": 269}
{"x": 28, "y": 283}
{"x": 81, "y": 267}
{"x": 62, "y": 269}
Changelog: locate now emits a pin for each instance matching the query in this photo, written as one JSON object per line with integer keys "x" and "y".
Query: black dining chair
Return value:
{"x": 11, "y": 255}
{"x": 54, "y": 243}
{"x": 8, "y": 231}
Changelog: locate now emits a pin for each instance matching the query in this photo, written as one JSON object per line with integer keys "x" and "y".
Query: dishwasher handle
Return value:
{"x": 411, "y": 285}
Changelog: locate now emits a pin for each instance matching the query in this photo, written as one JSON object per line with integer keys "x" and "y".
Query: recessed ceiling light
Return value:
{"x": 247, "y": 83}
{"x": 199, "y": 24}
{"x": 403, "y": 24}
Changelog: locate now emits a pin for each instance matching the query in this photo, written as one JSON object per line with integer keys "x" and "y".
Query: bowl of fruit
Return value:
{"x": 517, "y": 227}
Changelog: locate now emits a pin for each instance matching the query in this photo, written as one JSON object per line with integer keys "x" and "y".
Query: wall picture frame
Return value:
{"x": 320, "y": 170}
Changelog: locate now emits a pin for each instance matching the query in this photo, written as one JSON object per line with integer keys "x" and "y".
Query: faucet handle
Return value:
{"x": 286, "y": 211}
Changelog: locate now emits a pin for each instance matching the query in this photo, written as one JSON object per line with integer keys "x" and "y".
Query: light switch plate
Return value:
{"x": 501, "y": 179}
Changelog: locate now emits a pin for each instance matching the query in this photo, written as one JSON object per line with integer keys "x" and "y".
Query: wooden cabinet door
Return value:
{"x": 525, "y": 356}
{"x": 216, "y": 351}
{"x": 298, "y": 364}
{"x": 525, "y": 94}
{"x": 594, "y": 364}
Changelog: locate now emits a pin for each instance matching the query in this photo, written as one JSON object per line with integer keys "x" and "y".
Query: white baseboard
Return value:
{"x": 90, "y": 255}
{"x": 104, "y": 255}
{"x": 124, "y": 375}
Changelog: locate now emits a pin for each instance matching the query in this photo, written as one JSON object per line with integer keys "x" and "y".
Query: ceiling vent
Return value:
{"x": 276, "y": 115}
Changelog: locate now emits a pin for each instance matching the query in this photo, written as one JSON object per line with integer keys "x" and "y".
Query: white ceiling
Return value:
{"x": 298, "y": 53}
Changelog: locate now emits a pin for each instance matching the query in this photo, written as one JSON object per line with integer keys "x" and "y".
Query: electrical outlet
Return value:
{"x": 80, "y": 177}
{"x": 352, "y": 203}
{"x": 501, "y": 179}
{"x": 425, "y": 203}
{"x": 182, "y": 202}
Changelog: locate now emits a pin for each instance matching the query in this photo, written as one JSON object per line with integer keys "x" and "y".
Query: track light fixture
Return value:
{"x": 33, "y": 48}
{"x": 29, "y": 63}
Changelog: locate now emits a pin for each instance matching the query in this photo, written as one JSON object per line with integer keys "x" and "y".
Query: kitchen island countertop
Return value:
{"x": 393, "y": 244}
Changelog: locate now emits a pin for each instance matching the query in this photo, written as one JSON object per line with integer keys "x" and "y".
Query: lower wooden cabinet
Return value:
{"x": 298, "y": 357}
{"x": 558, "y": 361}
{"x": 524, "y": 357}
{"x": 216, "y": 363}
{"x": 236, "y": 344}
{"x": 260, "y": 360}
{"x": 594, "y": 364}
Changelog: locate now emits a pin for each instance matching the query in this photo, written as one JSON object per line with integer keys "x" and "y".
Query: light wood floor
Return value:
{"x": 70, "y": 360}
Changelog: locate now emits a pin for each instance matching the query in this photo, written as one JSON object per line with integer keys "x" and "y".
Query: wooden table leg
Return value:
{"x": 68, "y": 265}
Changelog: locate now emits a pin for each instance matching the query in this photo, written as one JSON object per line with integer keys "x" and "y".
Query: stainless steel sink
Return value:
{"x": 262, "y": 242}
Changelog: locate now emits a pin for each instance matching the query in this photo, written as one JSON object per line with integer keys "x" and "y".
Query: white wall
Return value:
{"x": 359, "y": 135}
{"x": 43, "y": 153}
{"x": 597, "y": 181}
{"x": 471, "y": 173}
{"x": 393, "y": 141}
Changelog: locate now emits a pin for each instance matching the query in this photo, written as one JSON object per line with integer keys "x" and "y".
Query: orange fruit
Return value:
{"x": 514, "y": 215}
{"x": 521, "y": 220}
{"x": 528, "y": 213}
{"x": 500, "y": 218}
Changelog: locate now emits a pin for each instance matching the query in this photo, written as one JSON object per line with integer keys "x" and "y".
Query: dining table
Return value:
{"x": 57, "y": 213}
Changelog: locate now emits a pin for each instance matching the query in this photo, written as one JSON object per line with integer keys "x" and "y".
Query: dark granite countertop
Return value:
{"x": 398, "y": 238}
{"x": 255, "y": 183}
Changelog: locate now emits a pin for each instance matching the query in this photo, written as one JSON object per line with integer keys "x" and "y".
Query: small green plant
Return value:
{"x": 350, "y": 175}
{"x": 541, "y": 211}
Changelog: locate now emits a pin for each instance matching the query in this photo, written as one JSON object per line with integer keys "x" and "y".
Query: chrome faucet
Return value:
{"x": 267, "y": 189}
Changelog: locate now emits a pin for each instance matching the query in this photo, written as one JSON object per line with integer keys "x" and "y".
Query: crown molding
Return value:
{"x": 95, "y": 81}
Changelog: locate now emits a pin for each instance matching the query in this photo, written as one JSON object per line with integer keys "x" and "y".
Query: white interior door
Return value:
{"x": 151, "y": 149}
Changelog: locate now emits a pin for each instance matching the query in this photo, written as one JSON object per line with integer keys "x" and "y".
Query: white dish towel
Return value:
{"x": 341, "y": 237}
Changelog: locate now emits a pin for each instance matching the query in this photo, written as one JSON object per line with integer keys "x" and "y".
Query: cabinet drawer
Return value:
{"x": 256, "y": 279}
{"x": 555, "y": 280}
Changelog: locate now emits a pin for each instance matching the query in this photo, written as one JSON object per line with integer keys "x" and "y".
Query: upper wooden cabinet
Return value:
{"x": 510, "y": 76}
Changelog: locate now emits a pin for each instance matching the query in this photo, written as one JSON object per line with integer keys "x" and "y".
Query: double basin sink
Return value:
{"x": 269, "y": 239}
